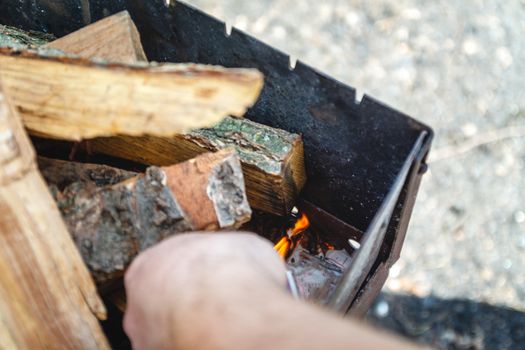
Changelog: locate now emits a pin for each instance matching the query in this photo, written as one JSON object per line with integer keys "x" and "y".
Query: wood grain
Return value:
{"x": 47, "y": 298}
{"x": 272, "y": 159}
{"x": 72, "y": 98}
{"x": 114, "y": 38}
{"x": 274, "y": 177}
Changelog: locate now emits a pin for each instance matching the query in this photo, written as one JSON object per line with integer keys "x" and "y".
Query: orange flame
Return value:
{"x": 283, "y": 246}
{"x": 300, "y": 225}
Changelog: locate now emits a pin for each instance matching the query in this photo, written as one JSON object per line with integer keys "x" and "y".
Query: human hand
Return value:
{"x": 181, "y": 292}
{"x": 227, "y": 291}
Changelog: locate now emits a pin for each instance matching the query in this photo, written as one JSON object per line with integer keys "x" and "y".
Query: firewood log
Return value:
{"x": 72, "y": 98}
{"x": 114, "y": 38}
{"x": 111, "y": 224}
{"x": 61, "y": 174}
{"x": 272, "y": 159}
{"x": 47, "y": 298}
{"x": 260, "y": 149}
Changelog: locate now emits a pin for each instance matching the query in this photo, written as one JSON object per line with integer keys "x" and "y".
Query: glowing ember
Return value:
{"x": 283, "y": 246}
{"x": 325, "y": 246}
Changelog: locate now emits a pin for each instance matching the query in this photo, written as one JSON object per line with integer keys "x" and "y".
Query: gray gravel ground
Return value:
{"x": 459, "y": 66}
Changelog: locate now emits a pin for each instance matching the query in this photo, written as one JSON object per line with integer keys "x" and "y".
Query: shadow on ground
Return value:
{"x": 450, "y": 324}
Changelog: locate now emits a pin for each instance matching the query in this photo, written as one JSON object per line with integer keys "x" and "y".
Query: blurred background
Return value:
{"x": 458, "y": 66}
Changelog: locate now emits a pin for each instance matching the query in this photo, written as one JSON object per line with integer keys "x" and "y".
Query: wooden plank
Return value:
{"x": 72, "y": 98}
{"x": 47, "y": 298}
{"x": 272, "y": 159}
{"x": 114, "y": 38}
{"x": 112, "y": 224}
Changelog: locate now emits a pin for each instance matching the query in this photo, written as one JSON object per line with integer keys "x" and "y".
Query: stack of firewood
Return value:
{"x": 206, "y": 168}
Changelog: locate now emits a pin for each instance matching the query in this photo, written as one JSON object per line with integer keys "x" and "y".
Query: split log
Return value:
{"x": 61, "y": 174}
{"x": 47, "y": 298}
{"x": 114, "y": 38}
{"x": 112, "y": 224}
{"x": 272, "y": 159}
{"x": 73, "y": 98}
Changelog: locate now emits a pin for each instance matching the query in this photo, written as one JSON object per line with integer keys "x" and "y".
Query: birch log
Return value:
{"x": 47, "y": 298}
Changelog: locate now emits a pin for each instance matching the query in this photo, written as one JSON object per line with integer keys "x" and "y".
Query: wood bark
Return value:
{"x": 114, "y": 38}
{"x": 72, "y": 98}
{"x": 113, "y": 222}
{"x": 272, "y": 159}
{"x": 47, "y": 298}
{"x": 60, "y": 173}
{"x": 17, "y": 38}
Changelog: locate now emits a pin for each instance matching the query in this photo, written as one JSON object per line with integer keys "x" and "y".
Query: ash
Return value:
{"x": 317, "y": 276}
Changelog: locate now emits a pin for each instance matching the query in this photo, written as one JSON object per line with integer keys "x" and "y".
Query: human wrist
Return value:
{"x": 195, "y": 288}
{"x": 223, "y": 318}
{"x": 223, "y": 290}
